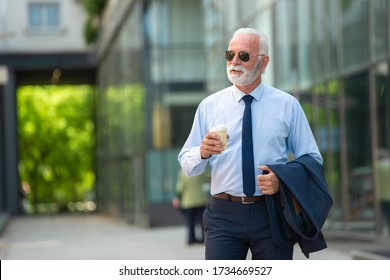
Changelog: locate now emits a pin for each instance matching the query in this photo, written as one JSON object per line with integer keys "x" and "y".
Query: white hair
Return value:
{"x": 264, "y": 42}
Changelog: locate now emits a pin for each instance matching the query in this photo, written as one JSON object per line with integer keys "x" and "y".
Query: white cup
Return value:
{"x": 221, "y": 130}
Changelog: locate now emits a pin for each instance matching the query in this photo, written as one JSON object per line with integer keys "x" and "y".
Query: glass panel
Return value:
{"x": 52, "y": 15}
{"x": 182, "y": 123}
{"x": 215, "y": 43}
{"x": 320, "y": 41}
{"x": 380, "y": 27}
{"x": 34, "y": 15}
{"x": 355, "y": 32}
{"x": 332, "y": 155}
{"x": 283, "y": 60}
{"x": 177, "y": 41}
{"x": 161, "y": 178}
{"x": 121, "y": 122}
{"x": 333, "y": 36}
{"x": 229, "y": 13}
{"x": 324, "y": 56}
{"x": 383, "y": 157}
{"x": 168, "y": 63}
{"x": 304, "y": 43}
{"x": 126, "y": 129}
{"x": 320, "y": 115}
{"x": 358, "y": 134}
{"x": 43, "y": 15}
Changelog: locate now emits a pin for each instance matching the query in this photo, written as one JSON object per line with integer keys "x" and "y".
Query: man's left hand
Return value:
{"x": 268, "y": 183}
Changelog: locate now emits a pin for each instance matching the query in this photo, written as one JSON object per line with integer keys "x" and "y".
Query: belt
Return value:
{"x": 242, "y": 199}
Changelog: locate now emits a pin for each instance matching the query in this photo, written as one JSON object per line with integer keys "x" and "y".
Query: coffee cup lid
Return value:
{"x": 218, "y": 127}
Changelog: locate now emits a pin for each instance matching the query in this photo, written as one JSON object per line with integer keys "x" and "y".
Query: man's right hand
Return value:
{"x": 211, "y": 145}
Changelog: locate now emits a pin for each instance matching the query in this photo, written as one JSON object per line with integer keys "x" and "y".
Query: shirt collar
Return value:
{"x": 256, "y": 93}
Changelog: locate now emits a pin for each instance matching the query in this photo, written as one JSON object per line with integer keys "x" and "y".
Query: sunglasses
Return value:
{"x": 243, "y": 56}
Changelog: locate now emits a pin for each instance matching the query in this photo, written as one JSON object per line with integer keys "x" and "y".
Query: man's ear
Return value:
{"x": 264, "y": 63}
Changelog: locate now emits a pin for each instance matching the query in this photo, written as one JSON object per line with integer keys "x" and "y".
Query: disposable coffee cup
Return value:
{"x": 221, "y": 130}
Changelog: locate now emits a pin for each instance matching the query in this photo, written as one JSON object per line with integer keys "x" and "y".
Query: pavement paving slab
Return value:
{"x": 103, "y": 237}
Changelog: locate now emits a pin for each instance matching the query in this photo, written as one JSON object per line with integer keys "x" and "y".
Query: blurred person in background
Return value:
{"x": 192, "y": 195}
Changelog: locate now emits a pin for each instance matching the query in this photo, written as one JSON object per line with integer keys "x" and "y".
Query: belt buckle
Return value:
{"x": 245, "y": 202}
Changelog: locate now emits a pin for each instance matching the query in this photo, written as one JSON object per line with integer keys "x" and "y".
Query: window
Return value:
{"x": 358, "y": 153}
{"x": 43, "y": 16}
{"x": 355, "y": 24}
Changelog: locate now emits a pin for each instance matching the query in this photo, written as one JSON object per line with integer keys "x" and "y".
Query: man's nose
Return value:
{"x": 236, "y": 60}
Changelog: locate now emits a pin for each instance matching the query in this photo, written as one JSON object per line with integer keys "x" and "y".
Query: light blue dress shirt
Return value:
{"x": 279, "y": 127}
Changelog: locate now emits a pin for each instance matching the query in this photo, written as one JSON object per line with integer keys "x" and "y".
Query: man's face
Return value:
{"x": 239, "y": 72}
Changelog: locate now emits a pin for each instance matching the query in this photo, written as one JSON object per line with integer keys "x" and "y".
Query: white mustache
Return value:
{"x": 236, "y": 68}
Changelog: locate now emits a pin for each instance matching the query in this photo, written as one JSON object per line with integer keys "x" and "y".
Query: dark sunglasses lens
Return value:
{"x": 229, "y": 55}
{"x": 244, "y": 56}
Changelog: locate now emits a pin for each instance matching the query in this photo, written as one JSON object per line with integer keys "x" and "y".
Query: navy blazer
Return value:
{"x": 304, "y": 179}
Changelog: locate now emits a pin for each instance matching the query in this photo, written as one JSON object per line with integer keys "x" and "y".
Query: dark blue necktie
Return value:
{"x": 248, "y": 172}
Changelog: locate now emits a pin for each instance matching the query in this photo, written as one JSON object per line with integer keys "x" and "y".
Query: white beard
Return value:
{"x": 247, "y": 77}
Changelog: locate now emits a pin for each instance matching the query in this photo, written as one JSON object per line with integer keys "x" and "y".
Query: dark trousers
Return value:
{"x": 233, "y": 228}
{"x": 193, "y": 218}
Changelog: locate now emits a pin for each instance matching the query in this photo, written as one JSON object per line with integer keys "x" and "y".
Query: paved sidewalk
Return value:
{"x": 101, "y": 237}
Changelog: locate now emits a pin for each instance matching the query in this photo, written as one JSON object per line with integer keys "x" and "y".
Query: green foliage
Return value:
{"x": 94, "y": 9}
{"x": 91, "y": 31}
{"x": 56, "y": 143}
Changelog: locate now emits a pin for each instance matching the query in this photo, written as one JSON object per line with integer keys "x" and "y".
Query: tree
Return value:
{"x": 56, "y": 143}
{"x": 94, "y": 9}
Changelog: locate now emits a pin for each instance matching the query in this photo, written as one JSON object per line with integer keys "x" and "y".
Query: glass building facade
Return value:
{"x": 151, "y": 78}
{"x": 166, "y": 55}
